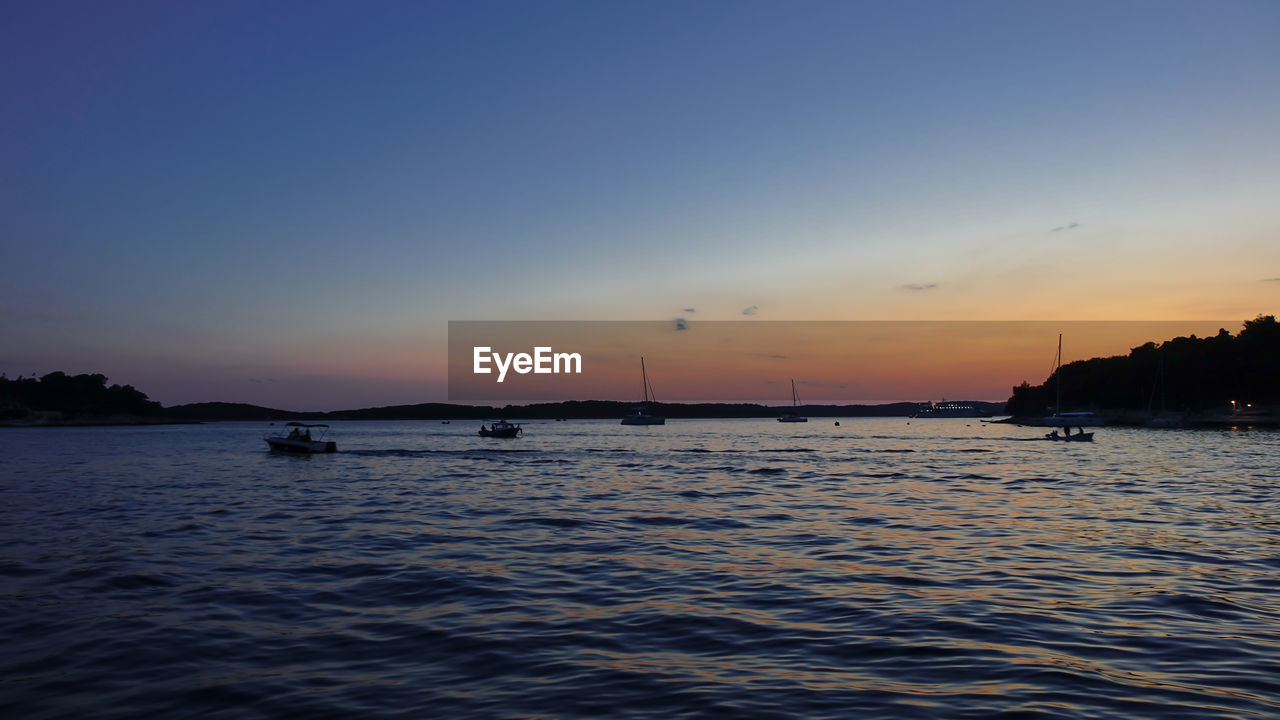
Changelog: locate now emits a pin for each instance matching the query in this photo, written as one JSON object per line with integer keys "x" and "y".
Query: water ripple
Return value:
{"x": 702, "y": 570}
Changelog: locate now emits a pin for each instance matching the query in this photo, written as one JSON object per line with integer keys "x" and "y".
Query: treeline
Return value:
{"x": 61, "y": 399}
{"x": 86, "y": 396}
{"x": 574, "y": 409}
{"x": 1183, "y": 374}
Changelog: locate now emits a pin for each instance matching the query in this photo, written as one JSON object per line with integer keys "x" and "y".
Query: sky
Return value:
{"x": 751, "y": 360}
{"x": 285, "y": 203}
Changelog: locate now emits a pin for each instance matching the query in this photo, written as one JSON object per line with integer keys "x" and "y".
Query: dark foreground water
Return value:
{"x": 880, "y": 569}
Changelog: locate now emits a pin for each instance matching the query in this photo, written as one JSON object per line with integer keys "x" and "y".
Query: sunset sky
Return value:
{"x": 285, "y": 203}
{"x": 849, "y": 362}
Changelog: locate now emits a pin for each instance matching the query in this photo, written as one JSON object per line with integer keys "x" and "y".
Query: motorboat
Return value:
{"x": 1079, "y": 436}
{"x": 299, "y": 439}
{"x": 500, "y": 429}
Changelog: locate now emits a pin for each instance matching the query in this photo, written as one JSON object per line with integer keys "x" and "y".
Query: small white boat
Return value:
{"x": 795, "y": 405}
{"x": 300, "y": 440}
{"x": 640, "y": 415}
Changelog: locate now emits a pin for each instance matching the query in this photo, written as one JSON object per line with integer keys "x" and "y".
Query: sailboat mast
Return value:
{"x": 644, "y": 378}
{"x": 1057, "y": 373}
{"x": 795, "y": 400}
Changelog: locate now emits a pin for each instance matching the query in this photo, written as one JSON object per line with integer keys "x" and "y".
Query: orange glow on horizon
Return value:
{"x": 832, "y": 362}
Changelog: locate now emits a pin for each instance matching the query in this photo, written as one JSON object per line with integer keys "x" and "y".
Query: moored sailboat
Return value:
{"x": 793, "y": 416}
{"x": 641, "y": 415}
{"x": 1070, "y": 419}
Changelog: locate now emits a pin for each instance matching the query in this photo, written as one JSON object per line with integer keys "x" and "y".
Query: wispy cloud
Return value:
{"x": 823, "y": 384}
{"x": 690, "y": 310}
{"x": 751, "y": 310}
{"x": 917, "y": 287}
{"x": 1064, "y": 228}
{"x": 1270, "y": 279}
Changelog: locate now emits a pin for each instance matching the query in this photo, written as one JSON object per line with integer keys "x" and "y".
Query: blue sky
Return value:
{"x": 285, "y": 202}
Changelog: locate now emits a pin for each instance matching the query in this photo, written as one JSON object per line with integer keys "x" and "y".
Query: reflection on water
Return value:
{"x": 941, "y": 568}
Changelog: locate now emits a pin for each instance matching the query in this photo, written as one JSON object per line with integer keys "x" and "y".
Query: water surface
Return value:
{"x": 720, "y": 568}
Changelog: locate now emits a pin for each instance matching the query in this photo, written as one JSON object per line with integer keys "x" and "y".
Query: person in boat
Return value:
{"x": 306, "y": 434}
{"x": 1053, "y": 434}
{"x": 295, "y": 434}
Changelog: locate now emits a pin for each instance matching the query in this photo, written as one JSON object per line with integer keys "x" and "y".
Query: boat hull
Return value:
{"x": 501, "y": 433}
{"x": 792, "y": 418}
{"x": 1084, "y": 419}
{"x": 643, "y": 420}
{"x": 1078, "y": 437}
{"x": 282, "y": 444}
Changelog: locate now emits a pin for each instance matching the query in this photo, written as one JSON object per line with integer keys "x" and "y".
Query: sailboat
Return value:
{"x": 1163, "y": 419}
{"x": 795, "y": 405}
{"x": 640, "y": 415}
{"x": 1066, "y": 420}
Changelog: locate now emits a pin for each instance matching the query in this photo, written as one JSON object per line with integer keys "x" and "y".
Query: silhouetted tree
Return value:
{"x": 72, "y": 395}
{"x": 1185, "y": 373}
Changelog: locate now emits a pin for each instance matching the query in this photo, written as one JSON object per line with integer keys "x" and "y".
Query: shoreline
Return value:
{"x": 110, "y": 421}
{"x": 1207, "y": 423}
{"x": 1143, "y": 420}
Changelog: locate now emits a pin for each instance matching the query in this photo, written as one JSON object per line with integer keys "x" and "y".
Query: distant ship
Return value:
{"x": 946, "y": 409}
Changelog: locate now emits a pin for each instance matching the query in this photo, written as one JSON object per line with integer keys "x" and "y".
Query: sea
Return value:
{"x": 874, "y": 568}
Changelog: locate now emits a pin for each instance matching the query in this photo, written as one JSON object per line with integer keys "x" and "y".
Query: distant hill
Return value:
{"x": 576, "y": 409}
{"x": 216, "y": 411}
{"x": 61, "y": 399}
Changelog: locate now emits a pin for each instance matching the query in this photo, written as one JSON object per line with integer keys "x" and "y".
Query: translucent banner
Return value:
{"x": 831, "y": 362}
